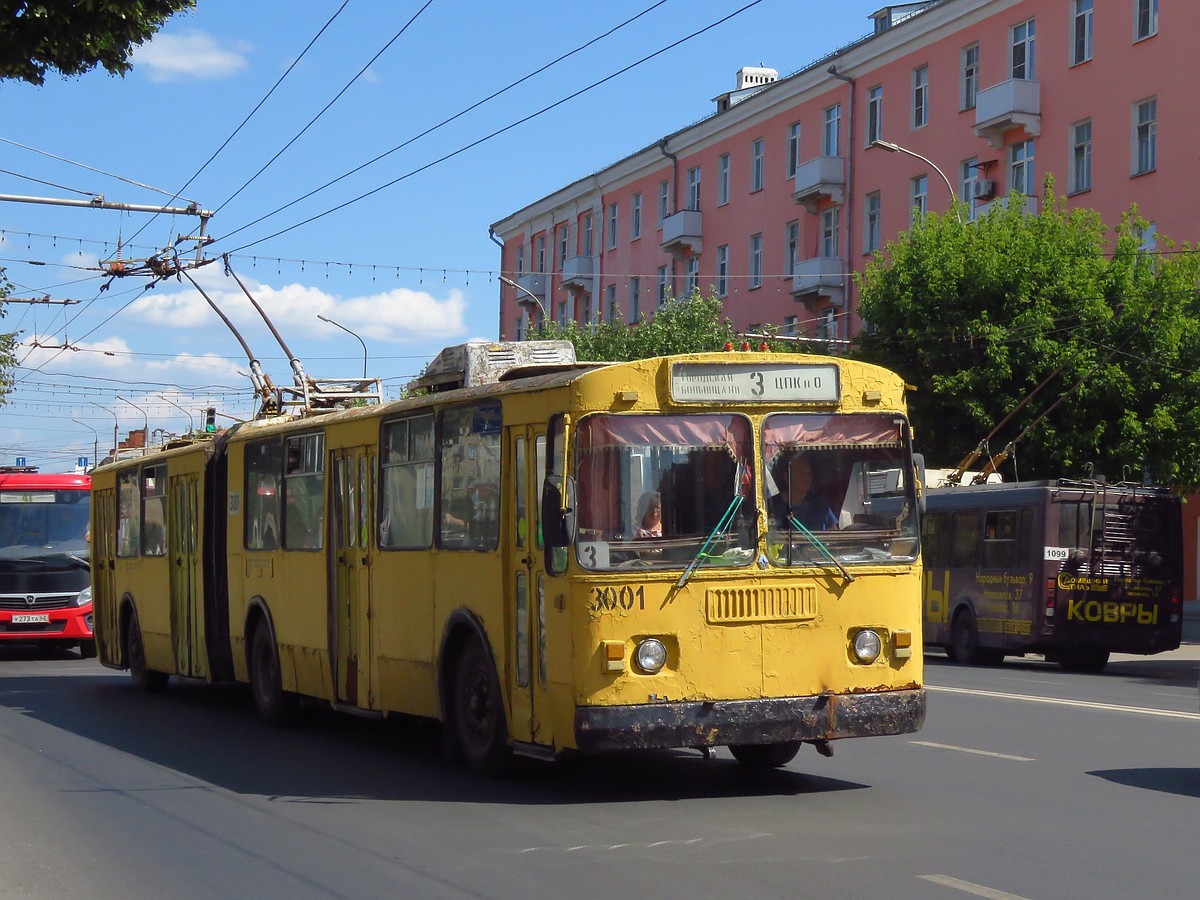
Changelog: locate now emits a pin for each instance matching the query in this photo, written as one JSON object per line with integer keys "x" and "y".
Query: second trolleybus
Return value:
{"x": 476, "y": 554}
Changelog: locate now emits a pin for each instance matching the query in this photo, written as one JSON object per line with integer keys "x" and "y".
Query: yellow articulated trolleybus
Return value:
{"x": 544, "y": 555}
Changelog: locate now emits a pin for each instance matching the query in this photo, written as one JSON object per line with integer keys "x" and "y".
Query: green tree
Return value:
{"x": 8, "y": 343}
{"x": 976, "y": 315}
{"x": 74, "y": 37}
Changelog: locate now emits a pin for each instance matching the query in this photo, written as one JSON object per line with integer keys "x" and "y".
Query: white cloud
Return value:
{"x": 189, "y": 54}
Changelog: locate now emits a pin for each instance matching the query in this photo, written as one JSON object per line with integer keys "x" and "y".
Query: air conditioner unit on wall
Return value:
{"x": 984, "y": 189}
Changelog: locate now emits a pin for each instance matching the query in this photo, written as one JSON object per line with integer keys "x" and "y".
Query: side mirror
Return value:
{"x": 558, "y": 517}
{"x": 919, "y": 466}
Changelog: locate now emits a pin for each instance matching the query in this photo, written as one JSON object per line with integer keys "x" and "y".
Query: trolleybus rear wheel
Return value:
{"x": 479, "y": 713}
{"x": 143, "y": 677}
{"x": 274, "y": 705}
{"x": 765, "y": 756}
{"x": 1083, "y": 659}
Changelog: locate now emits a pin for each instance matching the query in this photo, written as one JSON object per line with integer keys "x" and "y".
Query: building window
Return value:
{"x": 968, "y": 174}
{"x": 789, "y": 324}
{"x": 635, "y": 222}
{"x": 1023, "y": 56}
{"x": 1020, "y": 168}
{"x": 613, "y": 221}
{"x": 827, "y": 325}
{"x": 793, "y": 246}
{"x": 691, "y": 271}
{"x": 1081, "y": 156}
{"x": 562, "y": 312}
{"x": 562, "y": 246}
{"x": 723, "y": 270}
{"x": 610, "y": 302}
{"x": 541, "y": 253}
{"x": 723, "y": 179}
{"x": 664, "y": 284}
{"x": 757, "y": 150}
{"x": 871, "y": 230}
{"x": 756, "y": 260}
{"x": 793, "y": 146}
{"x": 970, "y": 76}
{"x": 1145, "y": 136}
{"x": 520, "y": 260}
{"x": 919, "y": 197}
{"x": 693, "y": 188}
{"x": 874, "y": 114}
{"x": 588, "y": 249}
{"x": 829, "y": 233}
{"x": 521, "y": 326}
{"x": 831, "y": 142}
{"x": 635, "y": 290}
{"x": 1081, "y": 31}
{"x": 1145, "y": 19}
{"x": 920, "y": 97}
{"x": 664, "y": 200}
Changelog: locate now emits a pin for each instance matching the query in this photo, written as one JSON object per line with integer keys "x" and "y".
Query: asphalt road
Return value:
{"x": 1026, "y": 782}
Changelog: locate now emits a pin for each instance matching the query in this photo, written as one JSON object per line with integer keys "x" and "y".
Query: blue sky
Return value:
{"x": 409, "y": 267}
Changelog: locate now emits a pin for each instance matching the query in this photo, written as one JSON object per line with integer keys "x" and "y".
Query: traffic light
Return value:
{"x": 210, "y": 419}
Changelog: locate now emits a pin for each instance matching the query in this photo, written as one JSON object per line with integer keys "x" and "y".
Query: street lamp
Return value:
{"x": 96, "y": 445}
{"x": 146, "y": 423}
{"x": 352, "y": 334}
{"x": 114, "y": 415}
{"x": 532, "y": 296}
{"x": 191, "y": 421}
{"x": 896, "y": 148}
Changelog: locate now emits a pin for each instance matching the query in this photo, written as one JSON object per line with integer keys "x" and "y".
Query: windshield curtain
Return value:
{"x": 659, "y": 491}
{"x": 838, "y": 488}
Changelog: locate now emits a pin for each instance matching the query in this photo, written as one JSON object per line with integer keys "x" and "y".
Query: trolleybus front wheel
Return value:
{"x": 765, "y": 756}
{"x": 142, "y": 676}
{"x": 479, "y": 713}
{"x": 274, "y": 705}
{"x": 964, "y": 638}
{"x": 87, "y": 648}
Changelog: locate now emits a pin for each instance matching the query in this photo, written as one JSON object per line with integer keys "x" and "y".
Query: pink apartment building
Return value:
{"x": 779, "y": 195}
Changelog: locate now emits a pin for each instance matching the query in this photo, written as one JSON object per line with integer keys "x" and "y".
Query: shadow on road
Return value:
{"x": 1185, "y": 782}
{"x": 1160, "y": 669}
{"x": 211, "y": 733}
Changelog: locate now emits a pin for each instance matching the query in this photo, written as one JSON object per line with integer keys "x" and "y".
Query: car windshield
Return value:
{"x": 664, "y": 491}
{"x": 37, "y": 523}
{"x": 838, "y": 490}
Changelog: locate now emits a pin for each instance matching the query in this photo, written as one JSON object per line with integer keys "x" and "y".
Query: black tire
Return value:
{"x": 1083, "y": 659}
{"x": 141, "y": 676}
{"x": 964, "y": 638}
{"x": 765, "y": 756}
{"x": 274, "y": 705}
{"x": 479, "y": 722}
{"x": 87, "y": 648}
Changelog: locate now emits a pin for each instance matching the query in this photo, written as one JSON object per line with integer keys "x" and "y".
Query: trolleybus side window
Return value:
{"x": 304, "y": 492}
{"x": 470, "y": 486}
{"x": 1075, "y": 525}
{"x": 935, "y": 540}
{"x": 129, "y": 526}
{"x": 154, "y": 515}
{"x": 263, "y": 465}
{"x": 1000, "y": 539}
{"x": 406, "y": 513}
{"x": 968, "y": 527}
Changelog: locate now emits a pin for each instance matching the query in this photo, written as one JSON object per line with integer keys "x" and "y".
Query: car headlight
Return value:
{"x": 867, "y": 646}
{"x": 650, "y": 655}
{"x": 84, "y": 597}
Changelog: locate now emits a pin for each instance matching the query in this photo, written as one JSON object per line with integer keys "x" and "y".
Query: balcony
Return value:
{"x": 821, "y": 276}
{"x": 532, "y": 283}
{"x": 577, "y": 273}
{"x": 1015, "y": 103}
{"x": 1030, "y": 207}
{"x": 822, "y": 178}
{"x": 682, "y": 233}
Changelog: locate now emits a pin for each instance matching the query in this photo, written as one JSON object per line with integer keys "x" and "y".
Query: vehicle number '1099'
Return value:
{"x": 610, "y": 599}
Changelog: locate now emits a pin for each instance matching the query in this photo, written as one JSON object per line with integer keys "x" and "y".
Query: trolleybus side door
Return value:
{"x": 187, "y": 607}
{"x": 104, "y": 579}
{"x": 350, "y": 625}
{"x": 526, "y": 584}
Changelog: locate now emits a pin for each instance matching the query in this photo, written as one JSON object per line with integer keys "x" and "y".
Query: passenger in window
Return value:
{"x": 649, "y": 515}
{"x": 800, "y": 495}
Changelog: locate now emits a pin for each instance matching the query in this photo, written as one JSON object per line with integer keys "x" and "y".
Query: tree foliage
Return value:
{"x": 74, "y": 37}
{"x": 978, "y": 314}
{"x": 8, "y": 344}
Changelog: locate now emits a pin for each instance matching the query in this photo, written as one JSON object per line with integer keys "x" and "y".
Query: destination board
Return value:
{"x": 754, "y": 383}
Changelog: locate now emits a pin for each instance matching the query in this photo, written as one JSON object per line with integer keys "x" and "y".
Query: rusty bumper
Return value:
{"x": 825, "y": 717}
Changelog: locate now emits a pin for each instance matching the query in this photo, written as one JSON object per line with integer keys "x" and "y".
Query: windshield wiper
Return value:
{"x": 722, "y": 525}
{"x": 816, "y": 542}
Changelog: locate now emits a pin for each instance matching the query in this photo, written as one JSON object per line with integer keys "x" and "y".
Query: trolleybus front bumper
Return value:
{"x": 824, "y": 717}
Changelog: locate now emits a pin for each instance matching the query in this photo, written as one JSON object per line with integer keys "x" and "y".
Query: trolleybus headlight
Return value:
{"x": 867, "y": 646}
{"x": 84, "y": 597}
{"x": 650, "y": 655}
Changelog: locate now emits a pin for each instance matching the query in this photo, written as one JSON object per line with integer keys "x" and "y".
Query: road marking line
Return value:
{"x": 1082, "y": 704}
{"x": 970, "y": 888}
{"x": 971, "y": 750}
